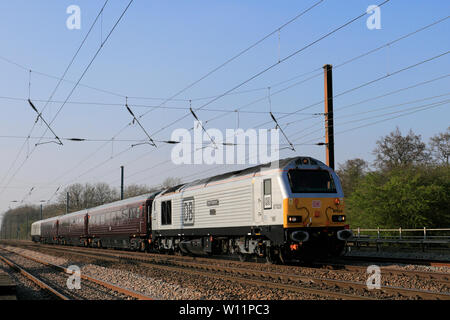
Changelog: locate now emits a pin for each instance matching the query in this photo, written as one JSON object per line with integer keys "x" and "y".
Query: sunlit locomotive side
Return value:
{"x": 292, "y": 211}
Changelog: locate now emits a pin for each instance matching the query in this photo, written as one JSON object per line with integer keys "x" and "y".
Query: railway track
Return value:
{"x": 430, "y": 275}
{"x": 92, "y": 288}
{"x": 442, "y": 277}
{"x": 424, "y": 262}
{"x": 225, "y": 273}
{"x": 235, "y": 271}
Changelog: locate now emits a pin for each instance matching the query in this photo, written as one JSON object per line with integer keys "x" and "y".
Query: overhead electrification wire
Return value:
{"x": 377, "y": 97}
{"x": 338, "y": 116}
{"x": 430, "y": 106}
{"x": 319, "y": 72}
{"x": 396, "y": 91}
{"x": 143, "y": 129}
{"x": 274, "y": 65}
{"x": 360, "y": 86}
{"x": 80, "y": 78}
{"x": 53, "y": 92}
{"x": 225, "y": 63}
{"x": 416, "y": 109}
{"x": 445, "y": 18}
{"x": 209, "y": 97}
{"x": 367, "y": 84}
{"x": 399, "y": 70}
{"x": 267, "y": 69}
{"x": 39, "y": 115}
{"x": 241, "y": 53}
{"x": 308, "y": 142}
{"x": 338, "y": 108}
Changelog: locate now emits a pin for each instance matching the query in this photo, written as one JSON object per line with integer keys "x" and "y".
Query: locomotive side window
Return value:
{"x": 311, "y": 181}
{"x": 267, "y": 193}
{"x": 166, "y": 212}
{"x": 169, "y": 212}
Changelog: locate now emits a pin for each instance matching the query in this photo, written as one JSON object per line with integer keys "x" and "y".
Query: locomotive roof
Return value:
{"x": 282, "y": 163}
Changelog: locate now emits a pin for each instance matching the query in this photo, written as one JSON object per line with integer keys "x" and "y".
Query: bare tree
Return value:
{"x": 134, "y": 190}
{"x": 76, "y": 200}
{"x": 103, "y": 193}
{"x": 87, "y": 196}
{"x": 440, "y": 147}
{"x": 171, "y": 182}
{"x": 396, "y": 150}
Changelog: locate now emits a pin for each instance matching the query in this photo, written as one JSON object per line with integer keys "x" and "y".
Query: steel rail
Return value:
{"x": 431, "y": 275}
{"x": 196, "y": 269}
{"x": 427, "y": 262}
{"x": 177, "y": 262}
{"x": 37, "y": 281}
{"x": 442, "y": 277}
{"x": 102, "y": 283}
{"x": 336, "y": 266}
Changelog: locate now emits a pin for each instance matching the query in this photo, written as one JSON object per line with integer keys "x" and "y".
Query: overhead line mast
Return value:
{"x": 329, "y": 127}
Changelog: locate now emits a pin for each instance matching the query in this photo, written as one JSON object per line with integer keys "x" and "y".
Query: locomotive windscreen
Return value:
{"x": 311, "y": 181}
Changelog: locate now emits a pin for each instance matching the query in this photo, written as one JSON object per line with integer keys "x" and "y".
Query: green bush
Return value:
{"x": 407, "y": 197}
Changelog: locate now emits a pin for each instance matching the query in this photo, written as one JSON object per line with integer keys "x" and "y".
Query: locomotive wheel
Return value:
{"x": 270, "y": 256}
{"x": 242, "y": 257}
{"x": 337, "y": 250}
{"x": 282, "y": 256}
{"x": 274, "y": 255}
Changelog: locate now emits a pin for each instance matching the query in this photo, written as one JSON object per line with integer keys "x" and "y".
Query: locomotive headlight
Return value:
{"x": 294, "y": 219}
{"x": 338, "y": 218}
{"x": 337, "y": 201}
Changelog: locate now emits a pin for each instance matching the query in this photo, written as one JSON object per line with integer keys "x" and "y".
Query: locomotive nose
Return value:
{"x": 300, "y": 236}
{"x": 344, "y": 235}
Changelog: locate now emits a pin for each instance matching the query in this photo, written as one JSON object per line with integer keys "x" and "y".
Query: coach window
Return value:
{"x": 138, "y": 212}
{"x": 268, "y": 194}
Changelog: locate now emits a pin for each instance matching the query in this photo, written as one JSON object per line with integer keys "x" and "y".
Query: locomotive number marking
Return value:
{"x": 188, "y": 211}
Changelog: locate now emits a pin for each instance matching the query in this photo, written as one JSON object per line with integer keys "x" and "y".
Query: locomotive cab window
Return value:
{"x": 267, "y": 191}
{"x": 166, "y": 212}
{"x": 311, "y": 181}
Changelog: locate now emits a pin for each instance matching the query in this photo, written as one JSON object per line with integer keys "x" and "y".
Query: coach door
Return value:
{"x": 86, "y": 224}
{"x": 57, "y": 228}
{"x": 143, "y": 218}
{"x": 148, "y": 218}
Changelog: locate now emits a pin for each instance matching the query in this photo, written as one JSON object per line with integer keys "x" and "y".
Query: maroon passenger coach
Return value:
{"x": 121, "y": 224}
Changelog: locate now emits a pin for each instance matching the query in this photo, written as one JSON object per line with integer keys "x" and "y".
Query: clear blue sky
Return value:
{"x": 160, "y": 47}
